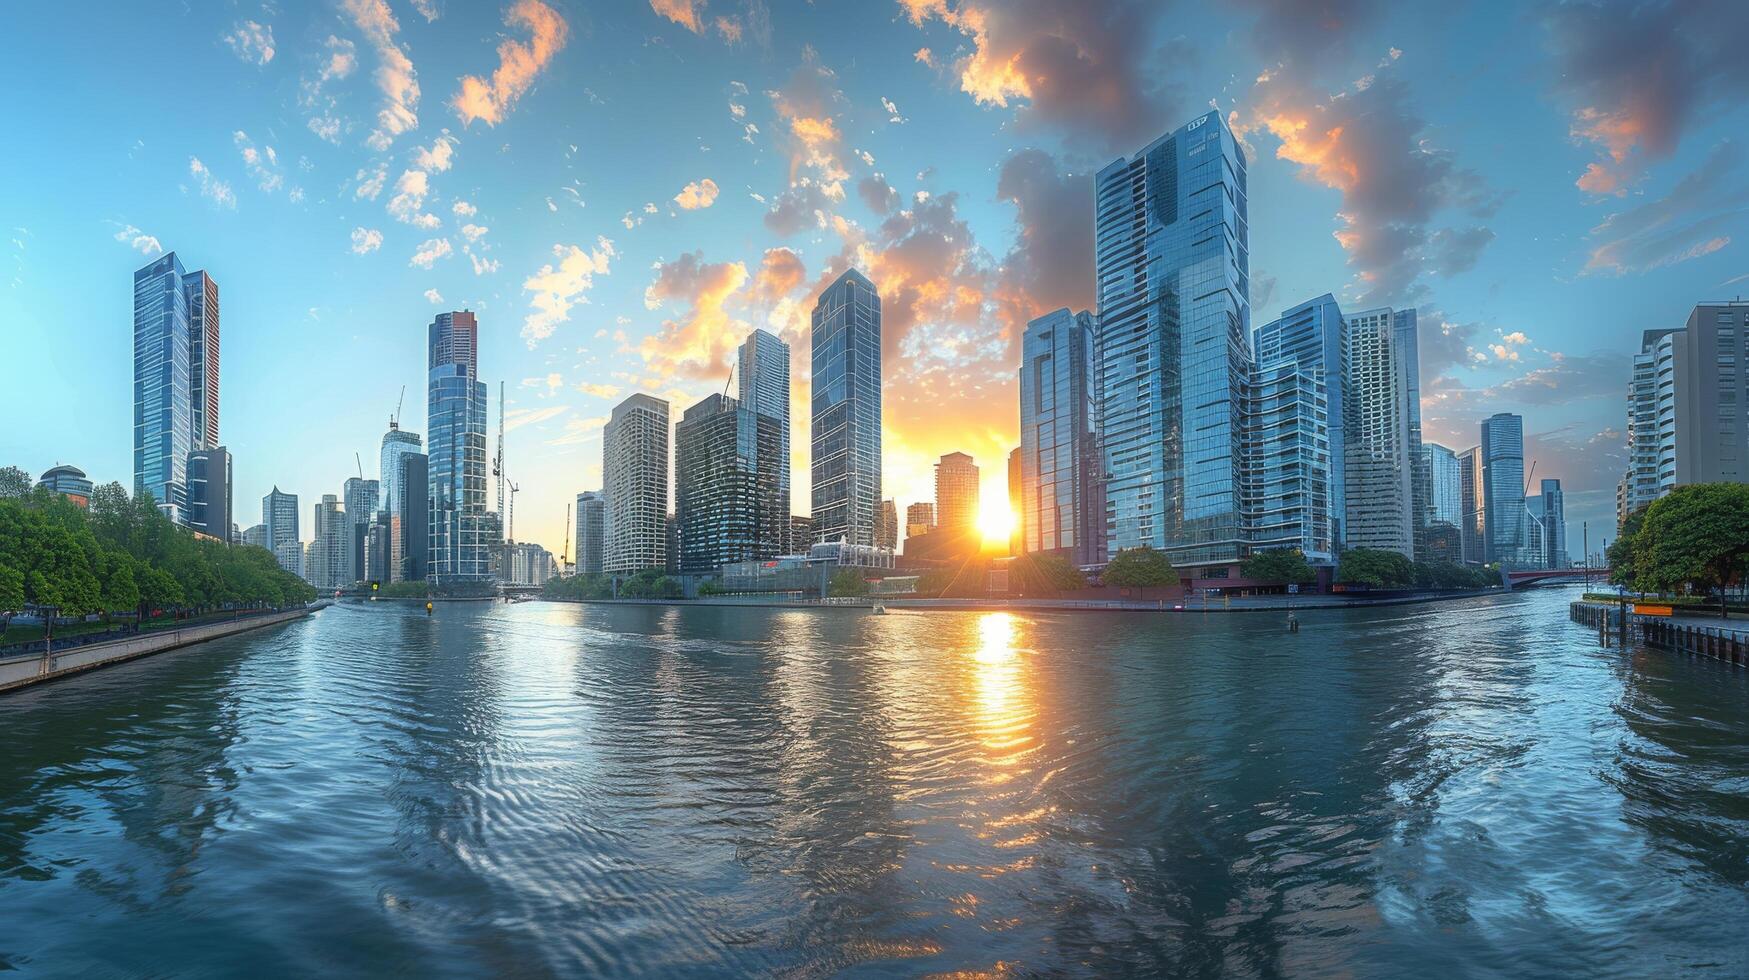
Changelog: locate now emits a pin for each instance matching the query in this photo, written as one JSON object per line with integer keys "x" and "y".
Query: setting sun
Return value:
{"x": 995, "y": 521}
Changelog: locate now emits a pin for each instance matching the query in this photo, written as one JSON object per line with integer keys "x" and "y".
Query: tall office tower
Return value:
{"x": 1651, "y": 468}
{"x": 1381, "y": 441}
{"x": 845, "y": 428}
{"x": 69, "y": 482}
{"x": 393, "y": 500}
{"x": 1172, "y": 266}
{"x": 279, "y": 514}
{"x": 1712, "y": 390}
{"x": 1445, "y": 489}
{"x": 412, "y": 547}
{"x": 591, "y": 531}
{"x": 456, "y": 488}
{"x": 1062, "y": 506}
{"x": 887, "y": 526}
{"x": 209, "y": 492}
{"x": 671, "y": 535}
{"x": 919, "y": 519}
{"x": 956, "y": 494}
{"x": 634, "y": 479}
{"x": 328, "y": 562}
{"x": 1017, "y": 529}
{"x": 361, "y": 498}
{"x": 256, "y": 536}
{"x": 1475, "y": 509}
{"x": 764, "y": 372}
{"x": 1503, "y": 487}
{"x": 1548, "y": 511}
{"x": 726, "y": 491}
{"x": 176, "y": 378}
{"x": 801, "y": 535}
{"x": 1313, "y": 336}
{"x": 1285, "y": 484}
{"x": 1404, "y": 325}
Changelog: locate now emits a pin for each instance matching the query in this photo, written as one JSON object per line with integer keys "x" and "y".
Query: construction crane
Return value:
{"x": 510, "y": 522}
{"x": 498, "y": 461}
{"x": 356, "y": 458}
{"x": 565, "y": 549}
{"x": 395, "y": 419}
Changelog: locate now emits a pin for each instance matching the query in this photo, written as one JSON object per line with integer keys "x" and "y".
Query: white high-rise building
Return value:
{"x": 634, "y": 476}
{"x": 1381, "y": 433}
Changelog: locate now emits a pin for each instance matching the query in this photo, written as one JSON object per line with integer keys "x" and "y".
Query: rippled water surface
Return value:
{"x": 1462, "y": 789}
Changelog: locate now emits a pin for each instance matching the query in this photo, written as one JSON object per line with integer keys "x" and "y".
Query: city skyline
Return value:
{"x": 1533, "y": 280}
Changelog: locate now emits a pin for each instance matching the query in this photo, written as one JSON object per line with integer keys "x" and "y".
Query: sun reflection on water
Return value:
{"x": 1004, "y": 706}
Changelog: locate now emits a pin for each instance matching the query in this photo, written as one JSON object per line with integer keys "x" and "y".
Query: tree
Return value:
{"x": 119, "y": 591}
{"x": 1375, "y": 567}
{"x": 1620, "y": 553}
{"x": 1695, "y": 538}
{"x": 1035, "y": 573}
{"x": 11, "y": 593}
{"x": 1278, "y": 565}
{"x": 14, "y": 482}
{"x": 847, "y": 582}
{"x": 1141, "y": 567}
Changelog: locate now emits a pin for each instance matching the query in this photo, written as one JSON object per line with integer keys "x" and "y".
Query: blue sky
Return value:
{"x": 623, "y": 190}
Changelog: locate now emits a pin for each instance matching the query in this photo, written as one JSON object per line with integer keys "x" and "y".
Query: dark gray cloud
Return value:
{"x": 1051, "y": 264}
{"x": 1695, "y": 218}
{"x": 1455, "y": 250}
{"x": 877, "y": 194}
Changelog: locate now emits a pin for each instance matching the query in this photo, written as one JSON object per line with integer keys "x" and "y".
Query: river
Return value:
{"x": 1470, "y": 788}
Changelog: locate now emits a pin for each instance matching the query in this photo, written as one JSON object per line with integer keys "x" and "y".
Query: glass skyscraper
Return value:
{"x": 846, "y": 417}
{"x": 1503, "y": 487}
{"x": 1285, "y": 491}
{"x": 726, "y": 496}
{"x": 392, "y": 503}
{"x": 764, "y": 373}
{"x": 1313, "y": 336}
{"x": 456, "y": 486}
{"x": 1062, "y": 510}
{"x": 591, "y": 531}
{"x": 1171, "y": 256}
{"x": 176, "y": 378}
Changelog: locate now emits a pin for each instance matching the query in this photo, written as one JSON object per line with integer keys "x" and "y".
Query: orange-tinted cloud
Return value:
{"x": 696, "y": 344}
{"x": 395, "y": 76}
{"x": 687, "y": 13}
{"x": 518, "y": 64}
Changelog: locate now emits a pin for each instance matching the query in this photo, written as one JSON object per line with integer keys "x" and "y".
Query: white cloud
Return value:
{"x": 138, "y": 240}
{"x": 696, "y": 195}
{"x": 216, "y": 190}
{"x": 366, "y": 240}
{"x": 370, "y": 185}
{"x": 438, "y": 158}
{"x": 463, "y": 209}
{"x": 427, "y": 9}
{"x": 429, "y": 252}
{"x": 472, "y": 232}
{"x": 325, "y": 127}
{"x": 892, "y": 110}
{"x": 410, "y": 191}
{"x": 557, "y": 287}
{"x": 261, "y": 164}
{"x": 252, "y": 42}
{"x": 433, "y": 296}
{"x": 395, "y": 76}
{"x": 516, "y": 418}
{"x": 482, "y": 266}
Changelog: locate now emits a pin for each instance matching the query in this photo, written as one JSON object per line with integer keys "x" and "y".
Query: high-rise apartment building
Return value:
{"x": 887, "y": 526}
{"x": 1172, "y": 266}
{"x": 1017, "y": 527}
{"x": 845, "y": 428}
{"x": 361, "y": 499}
{"x": 328, "y": 560}
{"x": 956, "y": 495}
{"x": 591, "y": 532}
{"x": 394, "y": 502}
{"x": 1313, "y": 336}
{"x": 209, "y": 492}
{"x": 279, "y": 514}
{"x": 1503, "y": 516}
{"x": 919, "y": 519}
{"x": 1062, "y": 504}
{"x": 1285, "y": 480}
{"x": 176, "y": 378}
{"x": 460, "y": 550}
{"x": 801, "y": 535}
{"x": 634, "y": 479}
{"x": 1382, "y": 437}
{"x": 1546, "y": 526}
{"x": 763, "y": 369}
{"x": 726, "y": 490}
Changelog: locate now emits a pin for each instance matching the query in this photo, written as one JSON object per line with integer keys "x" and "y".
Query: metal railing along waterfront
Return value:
{"x": 1664, "y": 632}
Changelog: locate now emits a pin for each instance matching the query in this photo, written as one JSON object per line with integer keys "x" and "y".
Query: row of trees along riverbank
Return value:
{"x": 1692, "y": 542}
{"x": 123, "y": 556}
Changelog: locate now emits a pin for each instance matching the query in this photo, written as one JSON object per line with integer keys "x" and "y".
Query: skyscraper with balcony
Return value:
{"x": 763, "y": 367}
{"x": 1382, "y": 430}
{"x": 887, "y": 525}
{"x": 1285, "y": 483}
{"x": 456, "y": 484}
{"x": 726, "y": 499}
{"x": 1062, "y": 508}
{"x": 1711, "y": 368}
{"x": 634, "y": 479}
{"x": 176, "y": 378}
{"x": 591, "y": 531}
{"x": 1313, "y": 335}
{"x": 919, "y": 519}
{"x": 1172, "y": 266}
{"x": 845, "y": 428}
{"x": 1502, "y": 457}
{"x": 956, "y": 495}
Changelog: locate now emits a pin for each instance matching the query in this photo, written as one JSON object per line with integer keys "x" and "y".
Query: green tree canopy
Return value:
{"x": 1139, "y": 568}
{"x": 846, "y": 583}
{"x": 1278, "y": 565}
{"x": 1696, "y": 539}
{"x": 1375, "y": 567}
{"x": 14, "y": 482}
{"x": 1044, "y": 573}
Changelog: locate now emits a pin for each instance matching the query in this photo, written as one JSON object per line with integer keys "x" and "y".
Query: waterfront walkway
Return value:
{"x": 1194, "y": 604}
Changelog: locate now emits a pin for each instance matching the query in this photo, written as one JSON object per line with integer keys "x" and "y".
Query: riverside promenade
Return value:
{"x": 35, "y": 668}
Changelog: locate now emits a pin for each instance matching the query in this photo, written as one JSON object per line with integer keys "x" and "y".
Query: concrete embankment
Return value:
{"x": 23, "y": 671}
{"x": 1195, "y": 604}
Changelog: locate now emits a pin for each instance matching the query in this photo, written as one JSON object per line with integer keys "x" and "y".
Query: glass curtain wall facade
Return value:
{"x": 634, "y": 478}
{"x": 1312, "y": 335}
{"x": 209, "y": 492}
{"x": 1445, "y": 485}
{"x": 591, "y": 531}
{"x": 392, "y": 507}
{"x": 459, "y": 549}
{"x": 1171, "y": 256}
{"x": 163, "y": 399}
{"x": 845, "y": 429}
{"x": 764, "y": 373}
{"x": 1503, "y": 487}
{"x": 726, "y": 501}
{"x": 1285, "y": 494}
{"x": 1062, "y": 508}
{"x": 1475, "y": 545}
